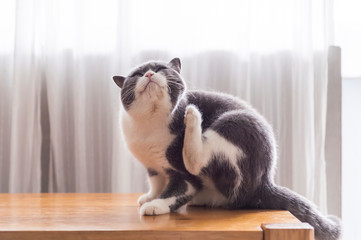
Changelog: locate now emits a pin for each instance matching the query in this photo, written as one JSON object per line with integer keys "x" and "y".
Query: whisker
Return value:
{"x": 177, "y": 85}
{"x": 127, "y": 94}
{"x": 175, "y": 82}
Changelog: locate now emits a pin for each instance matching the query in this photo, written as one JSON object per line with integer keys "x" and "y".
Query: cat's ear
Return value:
{"x": 119, "y": 80}
{"x": 175, "y": 63}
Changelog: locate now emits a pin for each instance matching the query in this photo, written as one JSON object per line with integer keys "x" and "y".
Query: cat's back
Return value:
{"x": 215, "y": 102}
{"x": 211, "y": 105}
{"x": 227, "y": 115}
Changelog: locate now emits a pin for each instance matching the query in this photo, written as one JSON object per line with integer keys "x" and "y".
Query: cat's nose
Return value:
{"x": 149, "y": 74}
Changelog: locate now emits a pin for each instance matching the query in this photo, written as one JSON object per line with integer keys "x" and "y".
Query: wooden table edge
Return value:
{"x": 287, "y": 231}
{"x": 130, "y": 235}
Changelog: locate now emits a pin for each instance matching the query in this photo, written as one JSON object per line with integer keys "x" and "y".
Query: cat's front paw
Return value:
{"x": 193, "y": 117}
{"x": 155, "y": 207}
{"x": 145, "y": 198}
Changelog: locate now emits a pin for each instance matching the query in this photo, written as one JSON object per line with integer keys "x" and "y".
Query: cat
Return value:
{"x": 204, "y": 148}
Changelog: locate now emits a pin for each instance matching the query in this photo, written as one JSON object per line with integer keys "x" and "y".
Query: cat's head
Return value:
{"x": 152, "y": 87}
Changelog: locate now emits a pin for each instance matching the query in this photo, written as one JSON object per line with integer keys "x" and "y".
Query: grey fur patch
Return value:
{"x": 175, "y": 64}
{"x": 119, "y": 80}
{"x": 152, "y": 172}
{"x": 180, "y": 202}
{"x": 128, "y": 92}
{"x": 222, "y": 173}
{"x": 176, "y": 186}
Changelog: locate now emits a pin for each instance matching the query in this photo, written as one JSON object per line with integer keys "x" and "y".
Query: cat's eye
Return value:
{"x": 137, "y": 74}
{"x": 160, "y": 68}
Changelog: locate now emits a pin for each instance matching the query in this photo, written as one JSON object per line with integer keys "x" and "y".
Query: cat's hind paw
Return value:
{"x": 155, "y": 207}
{"x": 192, "y": 118}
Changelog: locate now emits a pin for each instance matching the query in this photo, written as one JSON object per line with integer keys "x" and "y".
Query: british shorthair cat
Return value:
{"x": 204, "y": 148}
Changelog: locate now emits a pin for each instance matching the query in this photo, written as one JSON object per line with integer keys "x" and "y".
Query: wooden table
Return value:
{"x": 115, "y": 216}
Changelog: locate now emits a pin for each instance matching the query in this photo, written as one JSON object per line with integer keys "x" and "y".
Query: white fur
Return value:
{"x": 193, "y": 143}
{"x": 162, "y": 206}
{"x": 150, "y": 96}
{"x": 148, "y": 140}
{"x": 145, "y": 125}
{"x": 145, "y": 130}
{"x": 157, "y": 206}
{"x": 156, "y": 187}
{"x": 216, "y": 144}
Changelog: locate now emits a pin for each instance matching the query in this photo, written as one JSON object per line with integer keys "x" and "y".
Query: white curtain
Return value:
{"x": 59, "y": 108}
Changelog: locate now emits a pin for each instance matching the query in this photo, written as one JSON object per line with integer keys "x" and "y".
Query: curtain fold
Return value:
{"x": 273, "y": 55}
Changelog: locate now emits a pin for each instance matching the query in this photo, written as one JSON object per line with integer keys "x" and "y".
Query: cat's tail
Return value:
{"x": 276, "y": 197}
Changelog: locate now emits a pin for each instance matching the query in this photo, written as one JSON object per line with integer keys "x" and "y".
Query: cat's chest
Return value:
{"x": 149, "y": 144}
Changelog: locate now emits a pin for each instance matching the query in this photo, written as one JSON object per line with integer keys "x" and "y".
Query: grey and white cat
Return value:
{"x": 204, "y": 148}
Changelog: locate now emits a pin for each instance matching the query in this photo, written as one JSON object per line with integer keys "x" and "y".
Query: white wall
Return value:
{"x": 351, "y": 158}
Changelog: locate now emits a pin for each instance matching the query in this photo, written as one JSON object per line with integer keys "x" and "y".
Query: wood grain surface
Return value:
{"x": 115, "y": 216}
{"x": 294, "y": 231}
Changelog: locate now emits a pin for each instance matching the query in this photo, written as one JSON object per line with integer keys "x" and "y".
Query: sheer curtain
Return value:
{"x": 60, "y": 109}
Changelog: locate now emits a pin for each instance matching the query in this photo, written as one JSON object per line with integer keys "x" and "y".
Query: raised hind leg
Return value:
{"x": 212, "y": 157}
{"x": 193, "y": 148}
{"x": 199, "y": 148}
